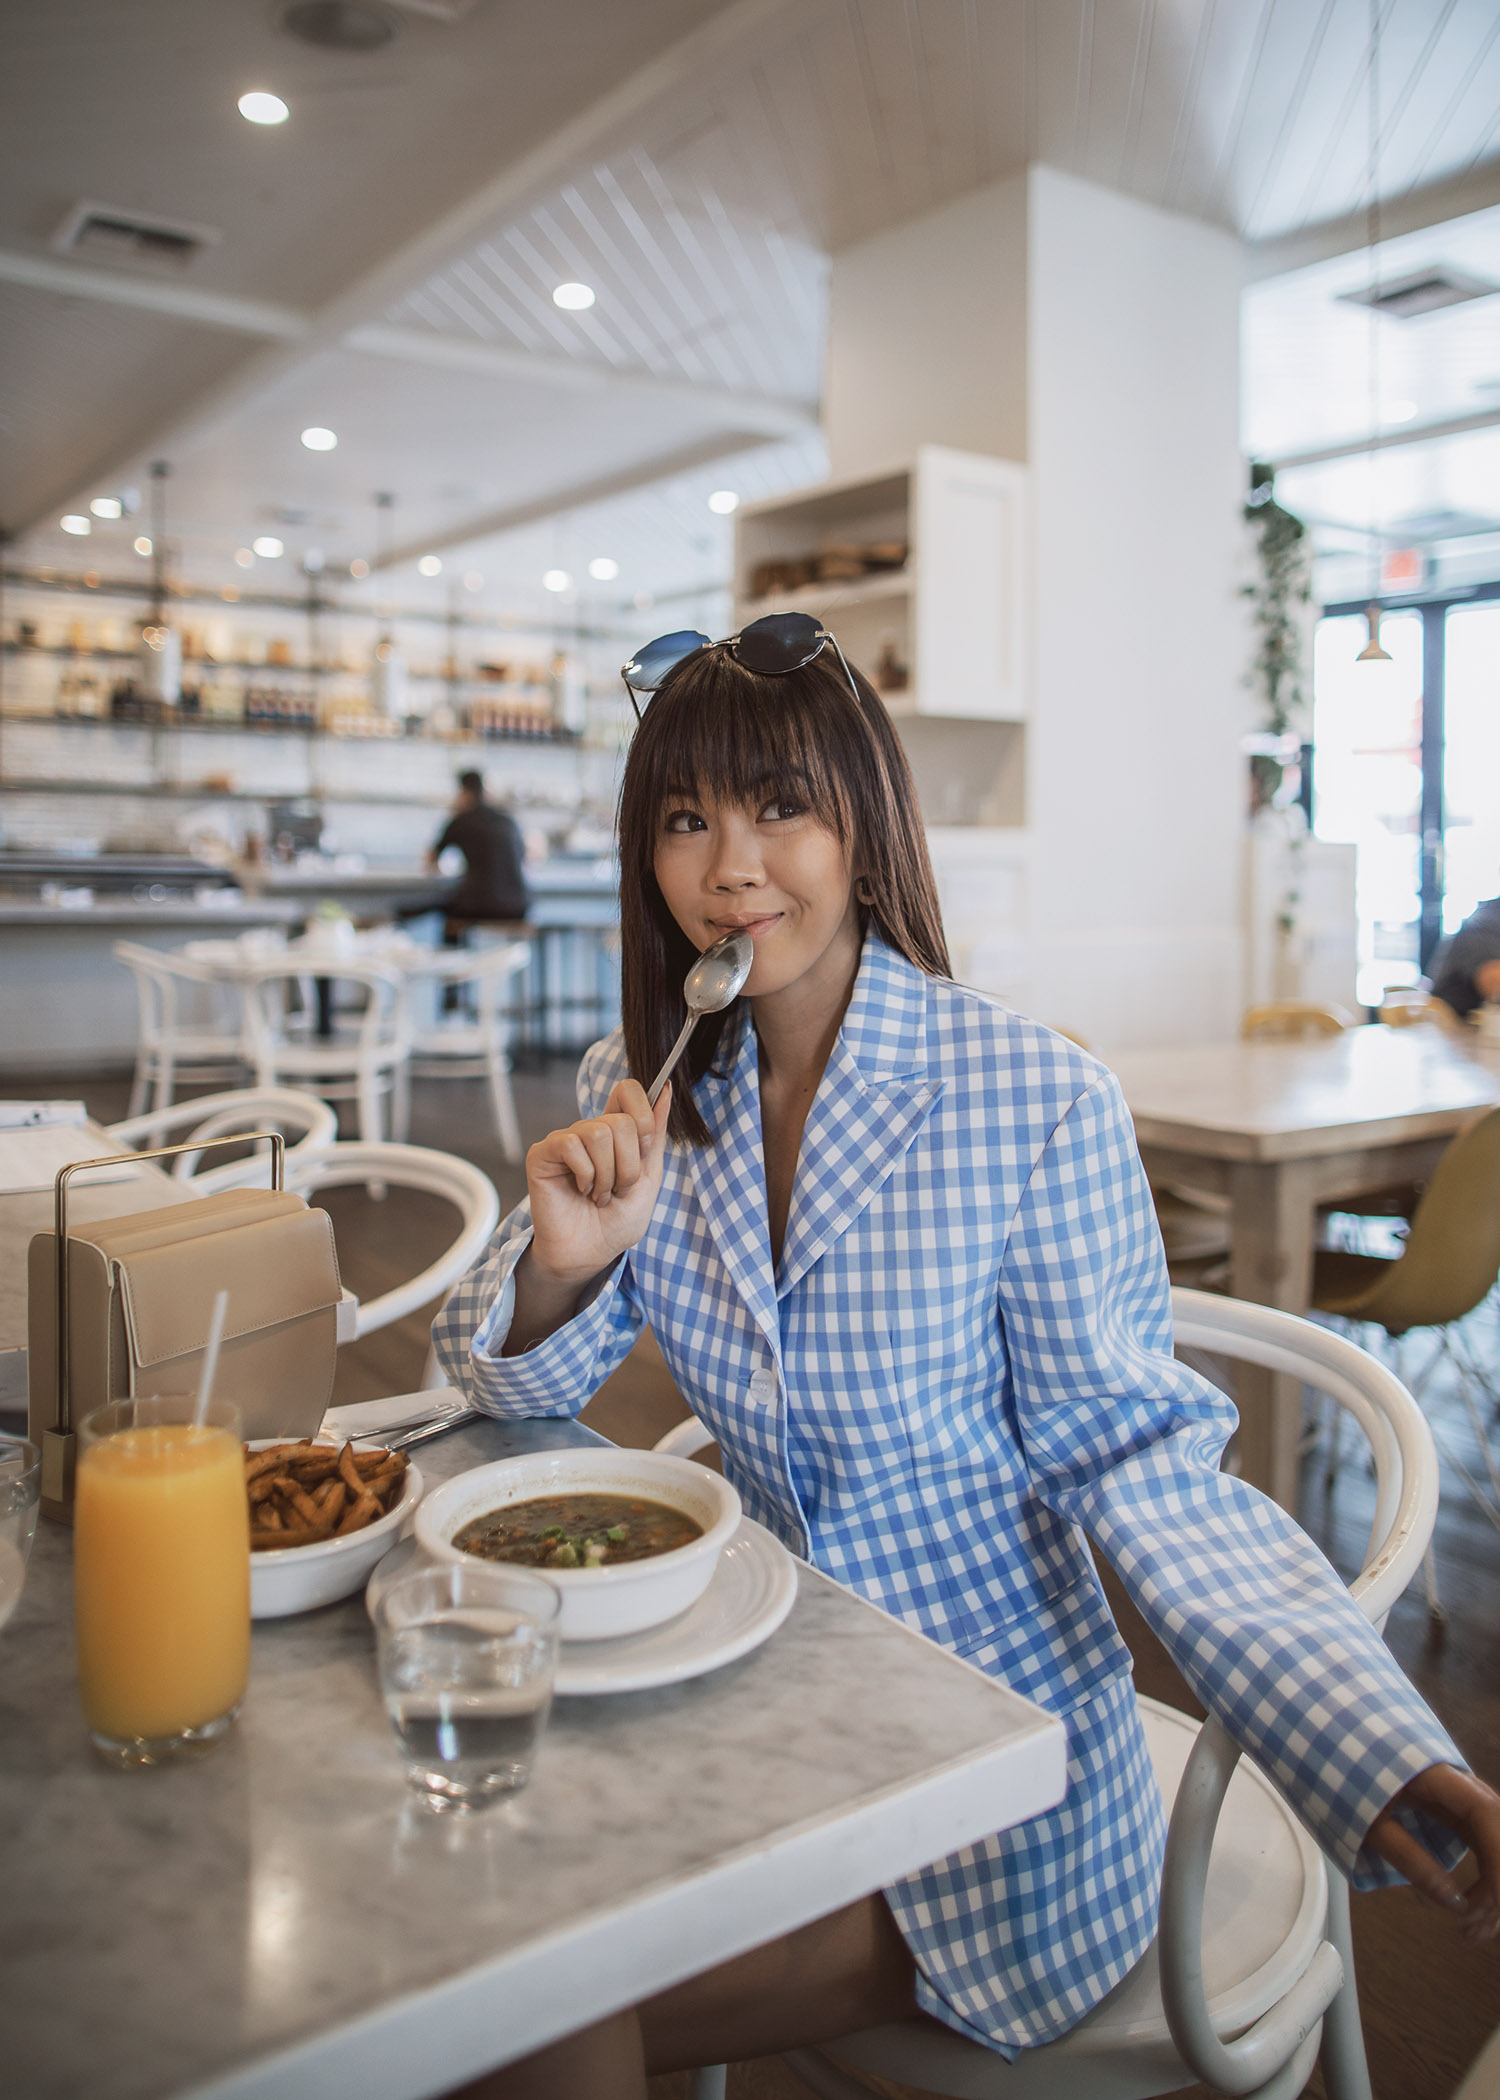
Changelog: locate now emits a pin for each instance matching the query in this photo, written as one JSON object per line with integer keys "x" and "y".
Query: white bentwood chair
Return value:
{"x": 1251, "y": 1974}
{"x": 359, "y": 1062}
{"x": 189, "y": 1020}
{"x": 465, "y": 1045}
{"x": 471, "y": 1193}
{"x": 308, "y": 1123}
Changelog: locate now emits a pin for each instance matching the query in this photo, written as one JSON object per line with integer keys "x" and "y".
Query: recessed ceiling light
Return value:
{"x": 106, "y": 506}
{"x": 81, "y": 526}
{"x": 573, "y": 298}
{"x": 317, "y": 439}
{"x": 473, "y": 581}
{"x": 260, "y": 108}
{"x": 244, "y": 558}
{"x": 429, "y": 565}
{"x": 340, "y": 25}
{"x": 143, "y": 546}
{"x": 1400, "y": 411}
{"x": 724, "y": 501}
{"x": 603, "y": 570}
{"x": 359, "y": 568}
{"x": 556, "y": 580}
{"x": 268, "y": 547}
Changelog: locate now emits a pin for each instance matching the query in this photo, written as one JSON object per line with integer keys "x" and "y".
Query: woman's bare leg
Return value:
{"x": 841, "y": 1973}
{"x": 832, "y": 1977}
{"x": 599, "y": 2063}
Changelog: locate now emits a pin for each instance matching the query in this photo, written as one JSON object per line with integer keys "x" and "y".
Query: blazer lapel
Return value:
{"x": 730, "y": 1175}
{"x": 874, "y": 1097}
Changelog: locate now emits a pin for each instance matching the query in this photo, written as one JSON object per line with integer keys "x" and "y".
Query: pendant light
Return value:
{"x": 1372, "y": 652}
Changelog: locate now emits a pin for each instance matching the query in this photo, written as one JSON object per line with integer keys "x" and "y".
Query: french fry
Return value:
{"x": 359, "y": 1514}
{"x": 298, "y": 1499}
{"x": 259, "y": 1462}
{"x": 349, "y": 1468}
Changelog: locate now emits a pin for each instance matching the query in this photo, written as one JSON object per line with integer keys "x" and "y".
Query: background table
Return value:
{"x": 21, "y": 1216}
{"x": 1278, "y": 1128}
{"x": 282, "y": 1918}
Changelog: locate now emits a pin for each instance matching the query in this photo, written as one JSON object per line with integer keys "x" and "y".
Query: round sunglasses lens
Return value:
{"x": 650, "y": 666}
{"x": 780, "y": 642}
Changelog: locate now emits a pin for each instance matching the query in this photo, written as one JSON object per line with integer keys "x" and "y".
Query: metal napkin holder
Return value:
{"x": 60, "y": 1443}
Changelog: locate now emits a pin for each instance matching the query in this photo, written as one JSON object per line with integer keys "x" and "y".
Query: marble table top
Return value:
{"x": 283, "y": 1919}
{"x": 1291, "y": 1100}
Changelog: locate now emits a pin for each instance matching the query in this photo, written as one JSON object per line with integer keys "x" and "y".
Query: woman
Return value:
{"x": 900, "y": 1255}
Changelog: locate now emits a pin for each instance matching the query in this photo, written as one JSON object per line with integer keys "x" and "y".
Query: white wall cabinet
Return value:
{"x": 938, "y": 618}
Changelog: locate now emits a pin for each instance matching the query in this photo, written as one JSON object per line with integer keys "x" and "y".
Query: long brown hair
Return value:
{"x": 720, "y": 731}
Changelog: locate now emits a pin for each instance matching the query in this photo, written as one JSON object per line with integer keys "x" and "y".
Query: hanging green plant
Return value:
{"x": 1282, "y": 587}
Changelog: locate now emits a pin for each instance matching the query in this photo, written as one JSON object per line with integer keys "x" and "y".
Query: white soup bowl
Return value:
{"x": 598, "y": 1603}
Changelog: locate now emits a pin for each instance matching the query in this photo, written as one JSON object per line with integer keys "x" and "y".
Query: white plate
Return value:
{"x": 753, "y": 1589}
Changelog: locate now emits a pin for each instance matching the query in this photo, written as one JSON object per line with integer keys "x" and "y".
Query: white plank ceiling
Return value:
{"x": 702, "y": 211}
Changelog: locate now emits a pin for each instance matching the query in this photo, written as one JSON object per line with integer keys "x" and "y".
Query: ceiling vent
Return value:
{"x": 339, "y": 25}
{"x": 140, "y": 240}
{"x": 1424, "y": 292}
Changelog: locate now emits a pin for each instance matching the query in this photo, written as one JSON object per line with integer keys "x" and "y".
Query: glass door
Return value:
{"x": 1471, "y": 760}
{"x": 1367, "y": 775}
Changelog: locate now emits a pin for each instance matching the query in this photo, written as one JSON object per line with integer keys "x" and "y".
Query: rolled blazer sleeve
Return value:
{"x": 1125, "y": 1442}
{"x": 559, "y": 1375}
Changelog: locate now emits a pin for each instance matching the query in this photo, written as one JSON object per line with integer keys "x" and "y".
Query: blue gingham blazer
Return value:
{"x": 961, "y": 1365}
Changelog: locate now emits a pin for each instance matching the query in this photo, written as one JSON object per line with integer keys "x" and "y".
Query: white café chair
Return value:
{"x": 308, "y": 1123}
{"x": 190, "y": 1019}
{"x": 465, "y": 1045}
{"x": 471, "y": 1193}
{"x": 359, "y": 1062}
{"x": 1252, "y": 1970}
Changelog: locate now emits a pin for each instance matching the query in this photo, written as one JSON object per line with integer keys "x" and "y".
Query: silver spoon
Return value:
{"x": 715, "y": 980}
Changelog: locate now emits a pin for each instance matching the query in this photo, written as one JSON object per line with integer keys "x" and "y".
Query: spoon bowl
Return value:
{"x": 715, "y": 981}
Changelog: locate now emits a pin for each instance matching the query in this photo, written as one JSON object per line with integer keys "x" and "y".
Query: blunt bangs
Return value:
{"x": 724, "y": 734}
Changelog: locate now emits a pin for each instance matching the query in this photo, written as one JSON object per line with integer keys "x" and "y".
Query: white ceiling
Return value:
{"x": 696, "y": 163}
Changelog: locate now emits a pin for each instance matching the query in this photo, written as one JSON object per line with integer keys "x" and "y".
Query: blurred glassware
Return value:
{"x": 20, "y": 1491}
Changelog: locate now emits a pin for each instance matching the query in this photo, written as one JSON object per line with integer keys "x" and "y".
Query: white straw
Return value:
{"x": 210, "y": 1359}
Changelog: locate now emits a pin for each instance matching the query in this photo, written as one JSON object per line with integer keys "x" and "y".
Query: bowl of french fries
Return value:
{"x": 321, "y": 1515}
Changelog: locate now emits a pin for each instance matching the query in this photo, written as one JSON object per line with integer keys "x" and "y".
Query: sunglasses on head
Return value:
{"x": 772, "y": 646}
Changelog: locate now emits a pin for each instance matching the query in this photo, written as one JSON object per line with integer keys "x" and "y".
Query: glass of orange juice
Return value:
{"x": 161, "y": 1561}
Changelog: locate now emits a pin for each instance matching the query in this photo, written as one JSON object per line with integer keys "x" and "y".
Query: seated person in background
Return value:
{"x": 492, "y": 886}
{"x": 1466, "y": 969}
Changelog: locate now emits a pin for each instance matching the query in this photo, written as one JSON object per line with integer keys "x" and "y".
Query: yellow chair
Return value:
{"x": 1446, "y": 1269}
{"x": 1402, "y": 1008}
{"x": 1286, "y": 1019}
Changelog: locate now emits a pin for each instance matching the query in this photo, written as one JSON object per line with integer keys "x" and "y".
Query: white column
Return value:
{"x": 1049, "y": 319}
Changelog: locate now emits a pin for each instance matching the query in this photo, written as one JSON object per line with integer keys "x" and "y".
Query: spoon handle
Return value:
{"x": 672, "y": 1056}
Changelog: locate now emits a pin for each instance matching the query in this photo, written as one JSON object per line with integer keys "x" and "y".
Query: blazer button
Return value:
{"x": 762, "y": 1388}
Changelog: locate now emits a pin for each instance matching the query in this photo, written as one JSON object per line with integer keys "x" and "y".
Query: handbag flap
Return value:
{"x": 170, "y": 1222}
{"x": 276, "y": 1264}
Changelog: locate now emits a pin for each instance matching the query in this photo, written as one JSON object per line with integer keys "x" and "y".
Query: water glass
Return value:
{"x": 20, "y": 1491}
{"x": 467, "y": 1658}
{"x": 161, "y": 1563}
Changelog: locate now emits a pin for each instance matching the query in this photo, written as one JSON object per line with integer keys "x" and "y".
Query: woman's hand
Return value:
{"x": 1471, "y": 1810}
{"x": 593, "y": 1187}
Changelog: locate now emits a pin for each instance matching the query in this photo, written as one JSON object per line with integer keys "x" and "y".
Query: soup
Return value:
{"x": 578, "y": 1531}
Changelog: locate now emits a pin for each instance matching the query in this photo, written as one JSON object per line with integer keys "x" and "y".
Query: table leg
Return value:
{"x": 1272, "y": 1227}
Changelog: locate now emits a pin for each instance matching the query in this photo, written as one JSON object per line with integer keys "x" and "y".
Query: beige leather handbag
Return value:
{"x": 137, "y": 1299}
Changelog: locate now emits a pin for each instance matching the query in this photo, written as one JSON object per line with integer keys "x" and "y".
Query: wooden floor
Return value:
{"x": 1428, "y": 2001}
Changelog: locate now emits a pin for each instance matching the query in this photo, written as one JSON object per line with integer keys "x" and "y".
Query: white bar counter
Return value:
{"x": 282, "y": 1920}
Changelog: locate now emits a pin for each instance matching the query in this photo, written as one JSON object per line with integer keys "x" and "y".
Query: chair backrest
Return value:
{"x": 1452, "y": 1252}
{"x": 1405, "y": 1510}
{"x": 1412, "y": 1009}
{"x": 488, "y": 969}
{"x": 410, "y": 1167}
{"x": 1286, "y": 1019}
{"x": 219, "y": 1115}
{"x": 383, "y": 1020}
{"x": 159, "y": 975}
